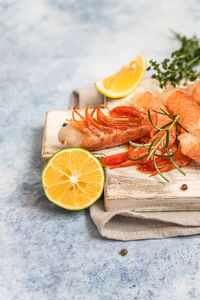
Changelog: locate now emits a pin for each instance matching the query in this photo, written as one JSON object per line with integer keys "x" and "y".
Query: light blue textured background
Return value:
{"x": 47, "y": 48}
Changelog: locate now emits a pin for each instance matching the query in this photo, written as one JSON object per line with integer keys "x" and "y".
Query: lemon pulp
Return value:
{"x": 73, "y": 178}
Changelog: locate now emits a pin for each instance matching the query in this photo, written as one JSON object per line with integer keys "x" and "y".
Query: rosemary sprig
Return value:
{"x": 163, "y": 142}
{"x": 181, "y": 65}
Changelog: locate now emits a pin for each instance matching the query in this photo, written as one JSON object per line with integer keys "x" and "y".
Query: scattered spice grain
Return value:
{"x": 124, "y": 252}
{"x": 184, "y": 187}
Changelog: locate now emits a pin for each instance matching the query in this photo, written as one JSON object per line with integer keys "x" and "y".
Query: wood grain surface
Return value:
{"x": 128, "y": 188}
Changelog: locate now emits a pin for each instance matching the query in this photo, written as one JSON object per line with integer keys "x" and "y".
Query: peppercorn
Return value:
{"x": 184, "y": 187}
{"x": 124, "y": 252}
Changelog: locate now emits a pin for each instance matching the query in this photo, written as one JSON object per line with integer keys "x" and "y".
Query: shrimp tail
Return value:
{"x": 125, "y": 159}
{"x": 165, "y": 164}
{"x": 116, "y": 161}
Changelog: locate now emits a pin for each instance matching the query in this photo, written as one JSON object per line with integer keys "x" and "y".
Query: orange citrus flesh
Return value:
{"x": 125, "y": 81}
{"x": 73, "y": 179}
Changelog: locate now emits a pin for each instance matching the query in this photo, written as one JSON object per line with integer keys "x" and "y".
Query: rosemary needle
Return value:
{"x": 162, "y": 142}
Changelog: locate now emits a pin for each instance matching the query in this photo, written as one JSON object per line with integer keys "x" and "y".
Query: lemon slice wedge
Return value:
{"x": 125, "y": 81}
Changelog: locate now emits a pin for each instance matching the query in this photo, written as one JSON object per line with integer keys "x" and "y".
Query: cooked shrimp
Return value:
{"x": 191, "y": 90}
{"x": 179, "y": 158}
{"x": 97, "y": 130}
{"x": 121, "y": 160}
{"x": 178, "y": 102}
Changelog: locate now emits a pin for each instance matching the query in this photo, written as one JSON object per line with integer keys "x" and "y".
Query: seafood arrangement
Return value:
{"x": 156, "y": 118}
{"x": 162, "y": 127}
{"x": 102, "y": 127}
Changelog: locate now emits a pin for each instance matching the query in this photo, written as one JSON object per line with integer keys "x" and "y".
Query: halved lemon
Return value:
{"x": 125, "y": 81}
{"x": 73, "y": 179}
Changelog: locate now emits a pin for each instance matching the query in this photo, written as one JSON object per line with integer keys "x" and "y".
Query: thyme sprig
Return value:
{"x": 163, "y": 142}
{"x": 181, "y": 65}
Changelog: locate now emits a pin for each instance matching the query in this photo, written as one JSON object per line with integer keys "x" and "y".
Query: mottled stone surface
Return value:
{"x": 47, "y": 48}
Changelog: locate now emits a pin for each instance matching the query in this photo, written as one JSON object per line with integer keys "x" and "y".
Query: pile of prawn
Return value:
{"x": 102, "y": 127}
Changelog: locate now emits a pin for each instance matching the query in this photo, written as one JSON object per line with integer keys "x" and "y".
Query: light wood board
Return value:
{"x": 128, "y": 188}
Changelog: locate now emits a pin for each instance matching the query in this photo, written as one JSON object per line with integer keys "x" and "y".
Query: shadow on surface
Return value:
{"x": 31, "y": 189}
{"x": 92, "y": 229}
{"x": 33, "y": 194}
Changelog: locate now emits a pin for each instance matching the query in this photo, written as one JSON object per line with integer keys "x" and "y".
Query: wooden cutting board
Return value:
{"x": 126, "y": 188}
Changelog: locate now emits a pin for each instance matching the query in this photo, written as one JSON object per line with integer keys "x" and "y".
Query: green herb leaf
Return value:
{"x": 165, "y": 156}
{"x": 157, "y": 169}
{"x": 138, "y": 145}
{"x": 160, "y": 142}
{"x": 136, "y": 159}
{"x": 180, "y": 170}
{"x": 181, "y": 65}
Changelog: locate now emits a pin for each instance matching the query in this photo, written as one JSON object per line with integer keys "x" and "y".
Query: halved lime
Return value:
{"x": 73, "y": 179}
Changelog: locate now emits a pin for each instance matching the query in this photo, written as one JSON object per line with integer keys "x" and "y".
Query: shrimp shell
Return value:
{"x": 98, "y": 130}
{"x": 180, "y": 103}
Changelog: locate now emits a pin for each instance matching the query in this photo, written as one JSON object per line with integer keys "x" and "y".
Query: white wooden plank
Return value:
{"x": 128, "y": 188}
